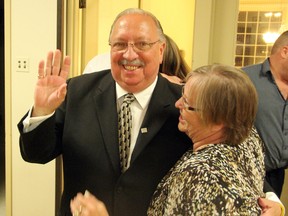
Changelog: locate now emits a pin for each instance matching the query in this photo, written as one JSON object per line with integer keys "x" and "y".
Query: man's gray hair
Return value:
{"x": 143, "y": 12}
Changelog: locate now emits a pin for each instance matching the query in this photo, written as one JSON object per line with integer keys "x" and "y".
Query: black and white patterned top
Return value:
{"x": 219, "y": 179}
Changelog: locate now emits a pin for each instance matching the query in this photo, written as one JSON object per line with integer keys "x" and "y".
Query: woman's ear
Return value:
{"x": 217, "y": 127}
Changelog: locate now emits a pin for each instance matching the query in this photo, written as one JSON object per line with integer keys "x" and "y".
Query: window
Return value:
{"x": 254, "y": 30}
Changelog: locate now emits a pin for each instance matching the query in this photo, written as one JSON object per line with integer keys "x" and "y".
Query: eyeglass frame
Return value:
{"x": 185, "y": 102}
{"x": 133, "y": 45}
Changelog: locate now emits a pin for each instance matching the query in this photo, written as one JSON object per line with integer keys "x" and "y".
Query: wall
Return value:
{"x": 30, "y": 31}
{"x": 213, "y": 43}
{"x": 177, "y": 20}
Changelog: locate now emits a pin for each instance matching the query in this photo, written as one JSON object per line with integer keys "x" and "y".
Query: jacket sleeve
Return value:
{"x": 43, "y": 143}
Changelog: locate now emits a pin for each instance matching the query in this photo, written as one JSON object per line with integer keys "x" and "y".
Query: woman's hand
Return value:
{"x": 269, "y": 207}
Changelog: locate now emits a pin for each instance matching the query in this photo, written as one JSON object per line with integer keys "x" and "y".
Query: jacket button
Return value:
{"x": 119, "y": 190}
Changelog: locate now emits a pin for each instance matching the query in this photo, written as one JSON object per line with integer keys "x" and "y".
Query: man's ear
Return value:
{"x": 162, "y": 49}
{"x": 284, "y": 52}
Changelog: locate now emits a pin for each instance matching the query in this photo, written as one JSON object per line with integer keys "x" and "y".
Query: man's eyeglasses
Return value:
{"x": 185, "y": 103}
{"x": 140, "y": 46}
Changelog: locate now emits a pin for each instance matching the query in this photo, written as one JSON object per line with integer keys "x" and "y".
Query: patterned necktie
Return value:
{"x": 124, "y": 130}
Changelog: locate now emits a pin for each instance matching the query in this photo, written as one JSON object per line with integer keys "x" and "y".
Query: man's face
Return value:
{"x": 134, "y": 69}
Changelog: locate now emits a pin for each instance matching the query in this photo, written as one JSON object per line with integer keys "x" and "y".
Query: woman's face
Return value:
{"x": 189, "y": 119}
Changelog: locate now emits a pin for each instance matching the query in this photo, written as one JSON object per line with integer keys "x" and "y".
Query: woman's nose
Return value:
{"x": 178, "y": 103}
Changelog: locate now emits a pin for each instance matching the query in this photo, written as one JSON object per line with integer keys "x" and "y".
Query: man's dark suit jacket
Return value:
{"x": 84, "y": 130}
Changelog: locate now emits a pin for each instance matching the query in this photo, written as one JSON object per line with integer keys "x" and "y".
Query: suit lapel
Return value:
{"x": 106, "y": 110}
{"x": 155, "y": 117}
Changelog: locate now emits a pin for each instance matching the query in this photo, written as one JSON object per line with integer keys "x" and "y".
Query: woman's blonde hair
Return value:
{"x": 225, "y": 95}
{"x": 173, "y": 62}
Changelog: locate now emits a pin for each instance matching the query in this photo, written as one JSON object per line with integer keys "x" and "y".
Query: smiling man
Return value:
{"x": 80, "y": 121}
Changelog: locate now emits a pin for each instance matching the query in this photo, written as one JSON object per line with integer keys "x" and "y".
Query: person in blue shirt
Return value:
{"x": 271, "y": 81}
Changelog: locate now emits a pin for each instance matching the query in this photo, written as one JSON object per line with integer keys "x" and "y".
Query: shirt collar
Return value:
{"x": 266, "y": 67}
{"x": 142, "y": 97}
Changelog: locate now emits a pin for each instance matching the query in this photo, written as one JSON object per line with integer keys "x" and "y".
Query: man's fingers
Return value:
{"x": 56, "y": 63}
{"x": 53, "y": 65}
{"x": 49, "y": 62}
{"x": 41, "y": 73}
{"x": 65, "y": 67}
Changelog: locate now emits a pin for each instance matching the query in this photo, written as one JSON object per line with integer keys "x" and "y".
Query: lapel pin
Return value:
{"x": 144, "y": 130}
